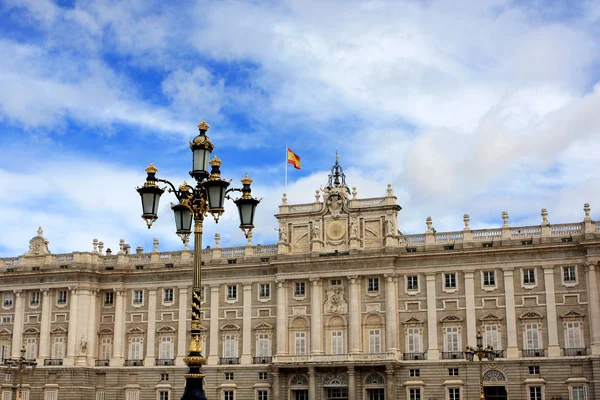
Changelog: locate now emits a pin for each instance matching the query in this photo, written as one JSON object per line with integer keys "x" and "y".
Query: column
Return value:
{"x": 276, "y": 384}
{"x": 213, "y": 356}
{"x": 92, "y": 331}
{"x": 594, "y": 305}
{"x": 119, "y": 329}
{"x": 72, "y": 334}
{"x": 553, "y": 346}
{"x": 247, "y": 326}
{"x": 391, "y": 310}
{"x": 316, "y": 317}
{"x": 390, "y": 389}
{"x": 512, "y": 349}
{"x": 312, "y": 383}
{"x": 470, "y": 305}
{"x": 182, "y": 327}
{"x": 17, "y": 336}
{"x": 282, "y": 331}
{"x": 45, "y": 325}
{"x": 351, "y": 382}
{"x": 354, "y": 316}
{"x": 82, "y": 313}
{"x": 433, "y": 352}
{"x": 150, "y": 359}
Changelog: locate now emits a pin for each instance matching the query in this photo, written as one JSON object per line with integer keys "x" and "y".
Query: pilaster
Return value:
{"x": 391, "y": 310}
{"x": 247, "y": 325}
{"x": 213, "y": 356}
{"x": 92, "y": 328}
{"x": 17, "y": 336}
{"x": 150, "y": 358}
{"x": 512, "y": 349}
{"x": 119, "y": 331}
{"x": 553, "y": 346}
{"x": 45, "y": 326}
{"x": 72, "y": 334}
{"x": 390, "y": 390}
{"x": 182, "y": 326}
{"x": 594, "y": 305}
{"x": 316, "y": 317}
{"x": 470, "y": 306}
{"x": 354, "y": 324}
{"x": 312, "y": 383}
{"x": 351, "y": 382}
{"x": 282, "y": 332}
{"x": 433, "y": 352}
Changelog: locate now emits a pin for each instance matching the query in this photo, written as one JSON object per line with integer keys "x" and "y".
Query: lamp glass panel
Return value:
{"x": 469, "y": 355}
{"x": 183, "y": 219}
{"x": 247, "y": 213}
{"x": 201, "y": 158}
{"x": 216, "y": 195}
{"x": 150, "y": 203}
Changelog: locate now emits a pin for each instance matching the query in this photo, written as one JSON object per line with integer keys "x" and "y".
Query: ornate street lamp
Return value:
{"x": 21, "y": 364}
{"x": 481, "y": 353}
{"x": 195, "y": 203}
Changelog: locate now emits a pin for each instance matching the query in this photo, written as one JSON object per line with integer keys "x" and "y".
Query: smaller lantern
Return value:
{"x": 216, "y": 188}
{"x": 150, "y": 194}
{"x": 246, "y": 206}
{"x": 201, "y": 148}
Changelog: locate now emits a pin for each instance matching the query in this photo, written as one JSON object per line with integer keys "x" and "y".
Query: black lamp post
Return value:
{"x": 207, "y": 196}
{"x": 481, "y": 353}
{"x": 21, "y": 364}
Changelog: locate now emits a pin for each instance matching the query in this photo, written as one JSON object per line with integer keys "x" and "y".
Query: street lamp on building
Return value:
{"x": 207, "y": 196}
{"x": 21, "y": 364}
{"x": 481, "y": 353}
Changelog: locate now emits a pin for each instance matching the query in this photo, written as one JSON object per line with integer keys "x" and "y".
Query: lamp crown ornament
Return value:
{"x": 203, "y": 126}
{"x": 151, "y": 169}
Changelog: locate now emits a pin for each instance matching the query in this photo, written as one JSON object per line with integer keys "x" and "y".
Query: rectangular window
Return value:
{"x": 166, "y": 348}
{"x": 168, "y": 295}
{"x": 337, "y": 342}
{"x": 62, "y": 297}
{"x": 163, "y": 395}
{"x": 336, "y": 282}
{"x": 414, "y": 372}
{"x": 453, "y": 393}
{"x": 412, "y": 282}
{"x": 373, "y": 285}
{"x": 532, "y": 336}
{"x": 228, "y": 395}
{"x": 31, "y": 348}
{"x": 414, "y": 394}
{"x": 105, "y": 348}
{"x": 263, "y": 345}
{"x": 578, "y": 393}
{"x": 300, "y": 343}
{"x": 452, "y": 371}
{"x": 573, "y": 335}
{"x": 228, "y": 376}
{"x": 535, "y": 393}
{"x": 374, "y": 341}
{"x": 450, "y": 281}
{"x": 569, "y": 275}
{"x": 58, "y": 348}
{"x": 109, "y": 298}
{"x": 489, "y": 278}
{"x": 34, "y": 299}
{"x": 164, "y": 377}
{"x": 231, "y": 292}
{"x": 263, "y": 376}
{"x": 6, "y": 319}
{"x": 414, "y": 340}
{"x": 299, "y": 289}
{"x": 264, "y": 290}
{"x": 135, "y": 348}
{"x": 230, "y": 346}
{"x": 534, "y": 370}
{"x": 529, "y": 276}
{"x": 262, "y": 395}
{"x": 452, "y": 340}
{"x": 138, "y": 297}
{"x": 491, "y": 336}
{"x": 8, "y": 300}
{"x": 4, "y": 351}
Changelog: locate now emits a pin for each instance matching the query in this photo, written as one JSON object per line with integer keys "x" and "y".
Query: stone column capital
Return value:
{"x": 508, "y": 271}
{"x": 45, "y": 291}
{"x": 18, "y": 292}
{"x": 73, "y": 289}
{"x": 591, "y": 265}
{"x": 390, "y": 277}
{"x": 354, "y": 279}
{"x": 548, "y": 269}
{"x": 247, "y": 287}
{"x": 119, "y": 291}
{"x": 280, "y": 282}
{"x": 315, "y": 281}
{"x": 351, "y": 370}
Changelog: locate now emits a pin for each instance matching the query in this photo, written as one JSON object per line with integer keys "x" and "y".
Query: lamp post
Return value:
{"x": 196, "y": 202}
{"x": 481, "y": 353}
{"x": 21, "y": 364}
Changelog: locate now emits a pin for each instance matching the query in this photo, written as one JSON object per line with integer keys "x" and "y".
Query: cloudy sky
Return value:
{"x": 487, "y": 106}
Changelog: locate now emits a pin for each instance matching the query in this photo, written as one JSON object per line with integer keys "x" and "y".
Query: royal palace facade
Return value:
{"x": 344, "y": 306}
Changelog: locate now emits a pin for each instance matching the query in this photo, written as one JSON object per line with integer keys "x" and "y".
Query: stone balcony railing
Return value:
{"x": 335, "y": 358}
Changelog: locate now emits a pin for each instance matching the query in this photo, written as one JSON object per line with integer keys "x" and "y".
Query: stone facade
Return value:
{"x": 344, "y": 306}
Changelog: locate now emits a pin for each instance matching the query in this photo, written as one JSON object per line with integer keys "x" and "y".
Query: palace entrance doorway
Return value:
{"x": 495, "y": 393}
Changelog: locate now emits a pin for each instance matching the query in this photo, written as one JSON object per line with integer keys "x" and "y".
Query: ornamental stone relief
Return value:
{"x": 335, "y": 303}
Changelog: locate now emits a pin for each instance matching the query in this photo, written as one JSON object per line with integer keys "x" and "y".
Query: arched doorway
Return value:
{"x": 494, "y": 389}
{"x": 299, "y": 387}
{"x": 335, "y": 387}
{"x": 374, "y": 386}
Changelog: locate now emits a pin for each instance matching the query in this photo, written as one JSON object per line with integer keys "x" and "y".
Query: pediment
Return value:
{"x": 413, "y": 320}
{"x": 450, "y": 319}
{"x": 531, "y": 315}
{"x": 263, "y": 326}
{"x": 136, "y": 329}
{"x": 58, "y": 329}
{"x": 166, "y": 329}
{"x": 230, "y": 327}
{"x": 5, "y": 331}
{"x": 105, "y": 331}
{"x": 31, "y": 331}
{"x": 573, "y": 314}
{"x": 490, "y": 317}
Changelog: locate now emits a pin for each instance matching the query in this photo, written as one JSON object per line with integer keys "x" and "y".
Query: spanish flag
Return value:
{"x": 293, "y": 158}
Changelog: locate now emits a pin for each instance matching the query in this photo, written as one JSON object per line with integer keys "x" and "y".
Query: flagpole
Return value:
{"x": 390, "y": 155}
{"x": 285, "y": 166}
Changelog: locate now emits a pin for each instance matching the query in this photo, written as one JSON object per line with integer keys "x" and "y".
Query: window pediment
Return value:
{"x": 490, "y": 318}
{"x": 136, "y": 330}
{"x": 5, "y": 332}
{"x": 166, "y": 329}
{"x": 105, "y": 331}
{"x": 230, "y": 327}
{"x": 531, "y": 315}
{"x": 263, "y": 326}
{"x": 413, "y": 321}
{"x": 572, "y": 314}
{"x": 451, "y": 319}
{"x": 58, "y": 330}
{"x": 31, "y": 331}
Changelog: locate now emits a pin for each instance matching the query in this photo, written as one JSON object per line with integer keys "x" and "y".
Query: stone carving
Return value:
{"x": 38, "y": 245}
{"x": 334, "y": 202}
{"x": 494, "y": 375}
{"x": 354, "y": 228}
{"x": 283, "y": 234}
{"x": 83, "y": 345}
{"x": 336, "y": 304}
{"x": 315, "y": 232}
{"x": 389, "y": 227}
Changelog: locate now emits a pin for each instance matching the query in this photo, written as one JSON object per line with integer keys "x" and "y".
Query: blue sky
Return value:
{"x": 489, "y": 106}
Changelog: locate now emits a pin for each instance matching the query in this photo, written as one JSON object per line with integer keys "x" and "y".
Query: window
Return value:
{"x": 165, "y": 351}
{"x": 168, "y": 295}
{"x": 489, "y": 278}
{"x": 228, "y": 395}
{"x": 535, "y": 393}
{"x": 8, "y": 300}
{"x": 569, "y": 275}
{"x": 529, "y": 276}
{"x": 373, "y": 285}
{"x": 136, "y": 348}
{"x": 534, "y": 370}
{"x": 414, "y": 394}
{"x": 374, "y": 341}
{"x": 4, "y": 351}
{"x": 578, "y": 393}
{"x": 263, "y": 345}
{"x": 491, "y": 336}
{"x": 109, "y": 298}
{"x": 163, "y": 395}
{"x": 264, "y": 290}
{"x": 262, "y": 395}
{"x": 164, "y": 377}
{"x": 105, "y": 348}
{"x": 58, "y": 348}
{"x": 299, "y": 289}
{"x": 573, "y": 335}
{"x": 31, "y": 347}
{"x": 336, "y": 282}
{"x": 414, "y": 372}
{"x": 337, "y": 342}
{"x": 450, "y": 281}
{"x": 532, "y": 336}
{"x": 6, "y": 319}
{"x": 452, "y": 371}
{"x": 228, "y": 376}
{"x": 300, "y": 343}
{"x": 230, "y": 346}
{"x": 231, "y": 292}
{"x": 453, "y": 393}
{"x": 413, "y": 336}
{"x": 138, "y": 297}
{"x": 412, "y": 283}
{"x": 452, "y": 339}
{"x": 62, "y": 297}
{"x": 34, "y": 299}
{"x": 263, "y": 376}
{"x": 138, "y": 267}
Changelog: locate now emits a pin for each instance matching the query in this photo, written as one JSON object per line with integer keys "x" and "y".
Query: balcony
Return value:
{"x": 102, "y": 363}
{"x": 499, "y": 353}
{"x": 53, "y": 361}
{"x": 337, "y": 358}
{"x": 229, "y": 360}
{"x": 133, "y": 363}
{"x": 414, "y": 356}
{"x": 575, "y": 351}
{"x": 165, "y": 361}
{"x": 532, "y": 352}
{"x": 262, "y": 360}
{"x": 452, "y": 355}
